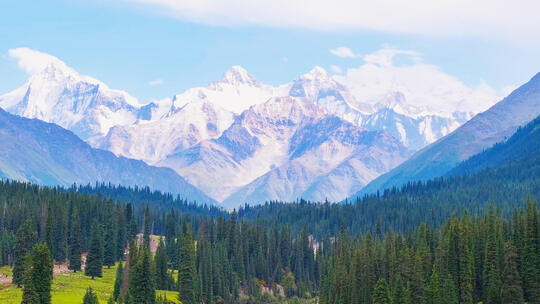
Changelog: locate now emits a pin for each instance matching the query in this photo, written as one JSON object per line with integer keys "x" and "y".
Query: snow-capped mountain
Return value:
{"x": 481, "y": 132}
{"x": 234, "y": 138}
{"x": 179, "y": 129}
{"x": 58, "y": 94}
{"x": 255, "y": 143}
{"x": 326, "y": 159}
{"x": 414, "y": 126}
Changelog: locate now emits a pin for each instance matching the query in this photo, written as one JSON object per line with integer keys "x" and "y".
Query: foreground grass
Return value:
{"x": 69, "y": 288}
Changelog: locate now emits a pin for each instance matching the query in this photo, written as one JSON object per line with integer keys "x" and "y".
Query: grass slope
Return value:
{"x": 69, "y": 287}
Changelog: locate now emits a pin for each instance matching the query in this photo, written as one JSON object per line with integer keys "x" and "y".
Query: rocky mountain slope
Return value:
{"x": 45, "y": 153}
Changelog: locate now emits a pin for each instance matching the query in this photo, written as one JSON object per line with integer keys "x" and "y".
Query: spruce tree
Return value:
{"x": 380, "y": 293}
{"x": 147, "y": 226}
{"x": 110, "y": 246}
{"x": 29, "y": 295}
{"x": 26, "y": 236}
{"x": 121, "y": 236}
{"x": 434, "y": 288}
{"x": 400, "y": 294}
{"x": 511, "y": 291}
{"x": 38, "y": 276}
{"x": 94, "y": 258}
{"x": 142, "y": 289}
{"x": 186, "y": 271}
{"x": 118, "y": 281}
{"x": 492, "y": 285}
{"x": 162, "y": 276}
{"x": 90, "y": 297}
{"x": 530, "y": 262}
{"x": 75, "y": 242}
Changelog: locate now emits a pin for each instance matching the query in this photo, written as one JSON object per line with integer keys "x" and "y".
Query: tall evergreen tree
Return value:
{"x": 90, "y": 297}
{"x": 110, "y": 246}
{"x": 530, "y": 262}
{"x": 511, "y": 291}
{"x": 380, "y": 293}
{"x": 162, "y": 276}
{"x": 186, "y": 271}
{"x": 94, "y": 258}
{"x": 29, "y": 295}
{"x": 142, "y": 289}
{"x": 147, "y": 226}
{"x": 118, "y": 282}
{"x": 400, "y": 294}
{"x": 434, "y": 288}
{"x": 75, "y": 242}
{"x": 26, "y": 237}
{"x": 38, "y": 276}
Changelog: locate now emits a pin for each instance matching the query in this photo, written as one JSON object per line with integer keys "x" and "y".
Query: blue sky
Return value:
{"x": 128, "y": 44}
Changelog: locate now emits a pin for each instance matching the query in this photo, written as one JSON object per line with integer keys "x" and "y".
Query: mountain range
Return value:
{"x": 481, "y": 132}
{"x": 240, "y": 140}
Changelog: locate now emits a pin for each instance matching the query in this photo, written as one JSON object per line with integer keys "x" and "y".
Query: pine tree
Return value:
{"x": 147, "y": 226}
{"x": 511, "y": 291}
{"x": 142, "y": 288}
{"x": 186, "y": 271}
{"x": 434, "y": 288}
{"x": 75, "y": 242}
{"x": 121, "y": 237}
{"x": 400, "y": 294}
{"x": 94, "y": 258}
{"x": 118, "y": 281}
{"x": 380, "y": 293}
{"x": 26, "y": 236}
{"x": 162, "y": 278}
{"x": 59, "y": 235}
{"x": 110, "y": 246}
{"x": 531, "y": 256}
{"x": 38, "y": 276}
{"x": 492, "y": 285}
{"x": 90, "y": 297}
{"x": 29, "y": 295}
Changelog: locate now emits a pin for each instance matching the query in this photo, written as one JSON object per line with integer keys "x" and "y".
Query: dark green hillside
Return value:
{"x": 524, "y": 144}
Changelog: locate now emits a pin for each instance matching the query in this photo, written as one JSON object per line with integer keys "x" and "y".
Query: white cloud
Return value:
{"x": 422, "y": 84}
{"x": 343, "y": 52}
{"x": 498, "y": 19}
{"x": 385, "y": 56}
{"x": 33, "y": 61}
{"x": 155, "y": 82}
{"x": 336, "y": 69}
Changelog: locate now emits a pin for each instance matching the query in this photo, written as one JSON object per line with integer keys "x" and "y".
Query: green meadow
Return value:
{"x": 69, "y": 287}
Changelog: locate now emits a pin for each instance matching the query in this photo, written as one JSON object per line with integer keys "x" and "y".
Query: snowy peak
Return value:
{"x": 317, "y": 73}
{"x": 397, "y": 102}
{"x": 237, "y": 75}
{"x": 287, "y": 107}
{"x": 56, "y": 93}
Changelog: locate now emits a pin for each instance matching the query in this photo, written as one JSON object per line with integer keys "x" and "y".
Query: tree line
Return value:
{"x": 484, "y": 259}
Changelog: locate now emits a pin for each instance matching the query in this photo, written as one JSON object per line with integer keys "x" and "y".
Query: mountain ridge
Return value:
{"x": 47, "y": 154}
{"x": 481, "y": 132}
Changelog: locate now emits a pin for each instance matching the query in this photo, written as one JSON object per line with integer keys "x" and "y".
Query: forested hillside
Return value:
{"x": 468, "y": 260}
{"x": 465, "y": 259}
{"x": 524, "y": 144}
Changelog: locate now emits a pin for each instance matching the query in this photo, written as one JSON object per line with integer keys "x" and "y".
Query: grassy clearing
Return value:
{"x": 69, "y": 288}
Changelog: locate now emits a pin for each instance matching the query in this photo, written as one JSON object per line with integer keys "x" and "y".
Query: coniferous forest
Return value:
{"x": 488, "y": 254}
